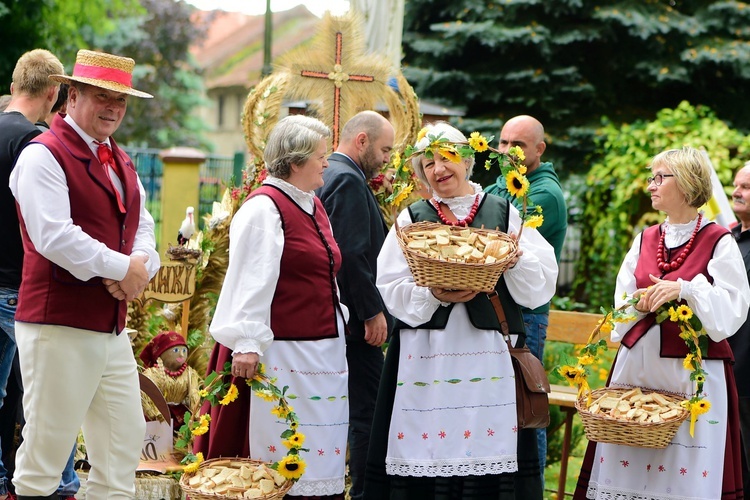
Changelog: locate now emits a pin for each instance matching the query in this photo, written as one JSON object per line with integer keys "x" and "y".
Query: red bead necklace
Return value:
{"x": 463, "y": 222}
{"x": 661, "y": 253}
{"x": 179, "y": 372}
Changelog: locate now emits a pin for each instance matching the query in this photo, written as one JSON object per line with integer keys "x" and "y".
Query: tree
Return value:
{"x": 616, "y": 203}
{"x": 159, "y": 41}
{"x": 570, "y": 62}
{"x": 56, "y": 25}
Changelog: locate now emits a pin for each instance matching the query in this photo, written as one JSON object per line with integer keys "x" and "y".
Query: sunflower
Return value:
{"x": 231, "y": 395}
{"x": 700, "y": 378}
{"x": 293, "y": 425}
{"x": 478, "y": 142}
{"x": 517, "y": 152}
{"x": 291, "y": 467}
{"x": 517, "y": 184}
{"x": 203, "y": 393}
{"x": 606, "y": 327}
{"x": 522, "y": 169}
{"x": 450, "y": 153}
{"x": 282, "y": 411}
{"x": 586, "y": 359}
{"x": 402, "y": 195}
{"x": 673, "y": 314}
{"x": 700, "y": 407}
{"x": 295, "y": 441}
{"x": 202, "y": 428}
{"x": 534, "y": 221}
{"x": 396, "y": 159}
{"x": 575, "y": 375}
{"x": 422, "y": 133}
{"x": 684, "y": 313}
{"x": 688, "y": 362}
{"x": 193, "y": 466}
{"x": 266, "y": 395}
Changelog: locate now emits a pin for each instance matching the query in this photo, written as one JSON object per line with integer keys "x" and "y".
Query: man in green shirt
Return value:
{"x": 527, "y": 133}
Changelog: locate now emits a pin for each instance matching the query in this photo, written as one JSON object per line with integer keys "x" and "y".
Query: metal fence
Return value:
{"x": 216, "y": 173}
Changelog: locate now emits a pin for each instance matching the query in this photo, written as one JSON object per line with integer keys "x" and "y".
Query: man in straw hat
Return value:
{"x": 32, "y": 96}
{"x": 89, "y": 248}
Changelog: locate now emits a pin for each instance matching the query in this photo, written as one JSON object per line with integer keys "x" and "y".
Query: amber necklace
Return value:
{"x": 463, "y": 222}
{"x": 661, "y": 252}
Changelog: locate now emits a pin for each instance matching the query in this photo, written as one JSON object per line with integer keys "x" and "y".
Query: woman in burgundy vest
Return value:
{"x": 693, "y": 260}
{"x": 279, "y": 305}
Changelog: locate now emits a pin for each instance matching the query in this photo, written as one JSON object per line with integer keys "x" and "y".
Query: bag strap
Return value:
{"x": 504, "y": 329}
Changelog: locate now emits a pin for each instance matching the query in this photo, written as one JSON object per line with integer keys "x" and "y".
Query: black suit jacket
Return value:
{"x": 740, "y": 341}
{"x": 359, "y": 230}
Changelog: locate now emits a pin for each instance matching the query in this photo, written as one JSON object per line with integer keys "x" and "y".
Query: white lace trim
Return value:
{"x": 593, "y": 491}
{"x": 318, "y": 487}
{"x": 449, "y": 468}
{"x": 677, "y": 234}
{"x": 461, "y": 205}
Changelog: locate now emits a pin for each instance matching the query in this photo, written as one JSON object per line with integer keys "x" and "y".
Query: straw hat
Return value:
{"x": 103, "y": 70}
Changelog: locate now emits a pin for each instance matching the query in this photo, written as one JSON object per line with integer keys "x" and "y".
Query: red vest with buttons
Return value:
{"x": 305, "y": 301}
{"x": 51, "y": 295}
{"x": 696, "y": 262}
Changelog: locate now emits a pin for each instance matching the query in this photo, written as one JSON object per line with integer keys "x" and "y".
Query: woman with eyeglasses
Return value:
{"x": 689, "y": 259}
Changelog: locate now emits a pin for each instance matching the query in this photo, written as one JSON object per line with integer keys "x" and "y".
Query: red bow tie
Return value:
{"x": 104, "y": 153}
{"x": 107, "y": 160}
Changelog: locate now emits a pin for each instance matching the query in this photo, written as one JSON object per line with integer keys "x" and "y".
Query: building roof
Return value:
{"x": 232, "y": 53}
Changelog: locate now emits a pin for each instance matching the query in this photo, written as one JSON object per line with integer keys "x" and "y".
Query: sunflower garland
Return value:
{"x": 510, "y": 164}
{"x": 577, "y": 374}
{"x": 218, "y": 389}
{"x": 691, "y": 331}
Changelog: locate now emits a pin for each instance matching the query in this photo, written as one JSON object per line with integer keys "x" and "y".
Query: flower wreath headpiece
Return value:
{"x": 510, "y": 166}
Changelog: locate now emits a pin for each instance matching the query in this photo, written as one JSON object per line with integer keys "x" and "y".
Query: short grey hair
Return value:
{"x": 444, "y": 130}
{"x": 293, "y": 141}
{"x": 692, "y": 171}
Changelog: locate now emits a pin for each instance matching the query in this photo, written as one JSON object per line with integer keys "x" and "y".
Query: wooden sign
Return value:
{"x": 175, "y": 282}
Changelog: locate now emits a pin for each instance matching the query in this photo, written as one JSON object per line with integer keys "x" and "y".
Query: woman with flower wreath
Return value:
{"x": 445, "y": 423}
{"x": 690, "y": 261}
{"x": 280, "y": 301}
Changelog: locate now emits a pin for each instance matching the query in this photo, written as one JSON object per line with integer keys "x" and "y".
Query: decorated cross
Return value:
{"x": 336, "y": 61}
{"x": 338, "y": 77}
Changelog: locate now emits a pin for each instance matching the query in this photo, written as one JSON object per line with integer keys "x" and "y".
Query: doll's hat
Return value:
{"x": 103, "y": 70}
{"x": 158, "y": 345}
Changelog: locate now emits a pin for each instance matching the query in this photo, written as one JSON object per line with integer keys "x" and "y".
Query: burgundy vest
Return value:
{"x": 51, "y": 295}
{"x": 696, "y": 262}
{"x": 305, "y": 302}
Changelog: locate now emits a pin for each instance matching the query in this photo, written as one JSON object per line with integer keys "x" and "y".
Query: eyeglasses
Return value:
{"x": 658, "y": 178}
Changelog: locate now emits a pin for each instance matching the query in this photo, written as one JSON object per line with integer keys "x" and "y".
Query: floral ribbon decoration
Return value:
{"x": 217, "y": 390}
{"x": 691, "y": 331}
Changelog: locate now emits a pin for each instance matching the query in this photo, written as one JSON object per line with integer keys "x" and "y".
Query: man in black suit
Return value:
{"x": 740, "y": 341}
{"x": 359, "y": 229}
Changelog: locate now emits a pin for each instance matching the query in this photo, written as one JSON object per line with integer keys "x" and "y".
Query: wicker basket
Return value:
{"x": 605, "y": 429}
{"x": 194, "y": 493}
{"x": 430, "y": 272}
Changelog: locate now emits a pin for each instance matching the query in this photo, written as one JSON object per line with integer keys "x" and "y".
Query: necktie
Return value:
{"x": 106, "y": 159}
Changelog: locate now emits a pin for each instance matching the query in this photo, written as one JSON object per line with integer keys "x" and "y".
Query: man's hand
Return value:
{"x": 113, "y": 287}
{"x": 244, "y": 364}
{"x": 136, "y": 279}
{"x": 376, "y": 330}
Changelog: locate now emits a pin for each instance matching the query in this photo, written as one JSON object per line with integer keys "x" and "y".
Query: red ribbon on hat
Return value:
{"x": 101, "y": 73}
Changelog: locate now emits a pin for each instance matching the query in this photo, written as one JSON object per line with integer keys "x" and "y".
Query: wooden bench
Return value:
{"x": 572, "y": 328}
